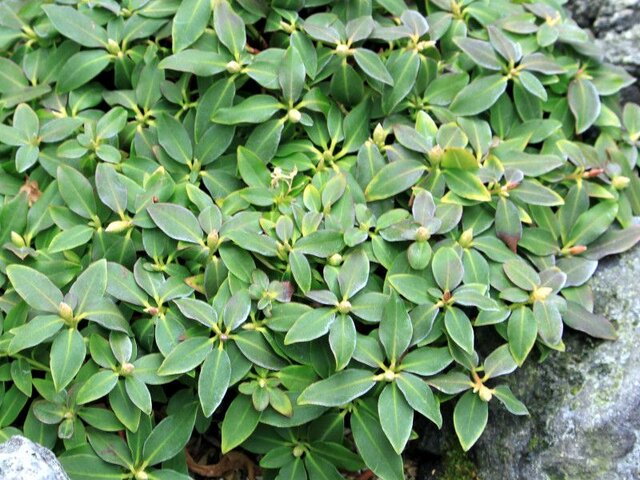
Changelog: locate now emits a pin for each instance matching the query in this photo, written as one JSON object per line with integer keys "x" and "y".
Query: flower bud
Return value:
{"x": 298, "y": 451}
{"x": 594, "y": 172}
{"x": 466, "y": 239}
{"x": 620, "y": 182}
{"x": 576, "y": 250}
{"x": 213, "y": 239}
{"x": 342, "y": 50}
{"x": 65, "y": 311}
{"x": 485, "y": 393}
{"x": 127, "y": 368}
{"x": 344, "y": 306}
{"x": 435, "y": 154}
{"x": 335, "y": 259}
{"x": 17, "y": 240}
{"x": 379, "y": 135}
{"x": 389, "y": 376}
{"x": 541, "y": 293}
{"x": 422, "y": 234}
{"x": 142, "y": 475}
{"x": 294, "y": 115}
{"x": 118, "y": 226}
{"x": 112, "y": 47}
{"x": 233, "y": 67}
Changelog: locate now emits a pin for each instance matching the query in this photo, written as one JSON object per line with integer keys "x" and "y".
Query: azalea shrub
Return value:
{"x": 277, "y": 232}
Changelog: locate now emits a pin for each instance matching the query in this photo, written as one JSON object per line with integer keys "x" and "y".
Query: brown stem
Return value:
{"x": 228, "y": 463}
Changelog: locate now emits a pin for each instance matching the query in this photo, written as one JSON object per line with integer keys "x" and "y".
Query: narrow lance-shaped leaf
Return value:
{"x": 339, "y": 389}
{"x": 189, "y": 23}
{"x": 584, "y": 103}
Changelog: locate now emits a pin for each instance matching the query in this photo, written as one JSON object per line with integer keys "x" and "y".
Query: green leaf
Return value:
{"x": 11, "y": 76}
{"x": 459, "y": 328}
{"x": 396, "y": 416}
{"x": 111, "y": 190}
{"x": 69, "y": 239}
{"x": 442, "y": 90}
{"x": 404, "y": 70}
{"x": 322, "y": 243}
{"x": 466, "y": 184}
{"x": 522, "y": 331}
{"x": 176, "y": 221}
{"x": 186, "y": 356}
{"x": 189, "y": 22}
{"x": 97, "y": 386}
{"x": 480, "y": 52}
{"x": 395, "y": 328}
{"x": 90, "y": 285}
{"x": 252, "y": 169}
{"x": 197, "y": 310}
{"x": 138, "y": 393}
{"x": 174, "y": 138}
{"x": 579, "y": 318}
{"x": 313, "y": 324}
{"x": 170, "y": 436}
{"x": 479, "y": 95}
{"x": 592, "y": 223}
{"x": 67, "y": 355}
{"x": 508, "y": 226}
{"x": 420, "y": 397}
{"x": 353, "y": 274}
{"x": 12, "y": 136}
{"x": 426, "y": 361}
{"x": 240, "y": 420}
{"x": 122, "y": 285}
{"x": 521, "y": 274}
{"x": 300, "y": 269}
{"x": 394, "y": 178}
{"x": 499, "y": 362}
{"x": 76, "y": 26}
{"x": 76, "y": 191}
{"x": 237, "y": 309}
{"x": 81, "y": 68}
{"x": 255, "y": 109}
{"x": 87, "y": 466}
{"x": 511, "y": 403}
{"x": 373, "y": 446}
{"x": 469, "y": 419}
{"x": 339, "y": 389}
{"x": 229, "y": 27}
{"x": 199, "y": 62}
{"x": 34, "y": 332}
{"x": 35, "y": 288}
{"x": 371, "y": 64}
{"x": 411, "y": 287}
{"x": 549, "y": 322}
{"x": 342, "y": 340}
{"x": 584, "y": 103}
{"x": 255, "y": 347}
{"x": 213, "y": 380}
{"x": 291, "y": 75}
{"x": 110, "y": 447}
{"x": 447, "y": 268}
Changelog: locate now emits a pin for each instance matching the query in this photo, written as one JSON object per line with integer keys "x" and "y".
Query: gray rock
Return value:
{"x": 584, "y": 403}
{"x": 616, "y": 27}
{"x": 22, "y": 459}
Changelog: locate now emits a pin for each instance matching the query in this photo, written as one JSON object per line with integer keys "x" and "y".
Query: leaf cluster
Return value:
{"x": 294, "y": 225}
